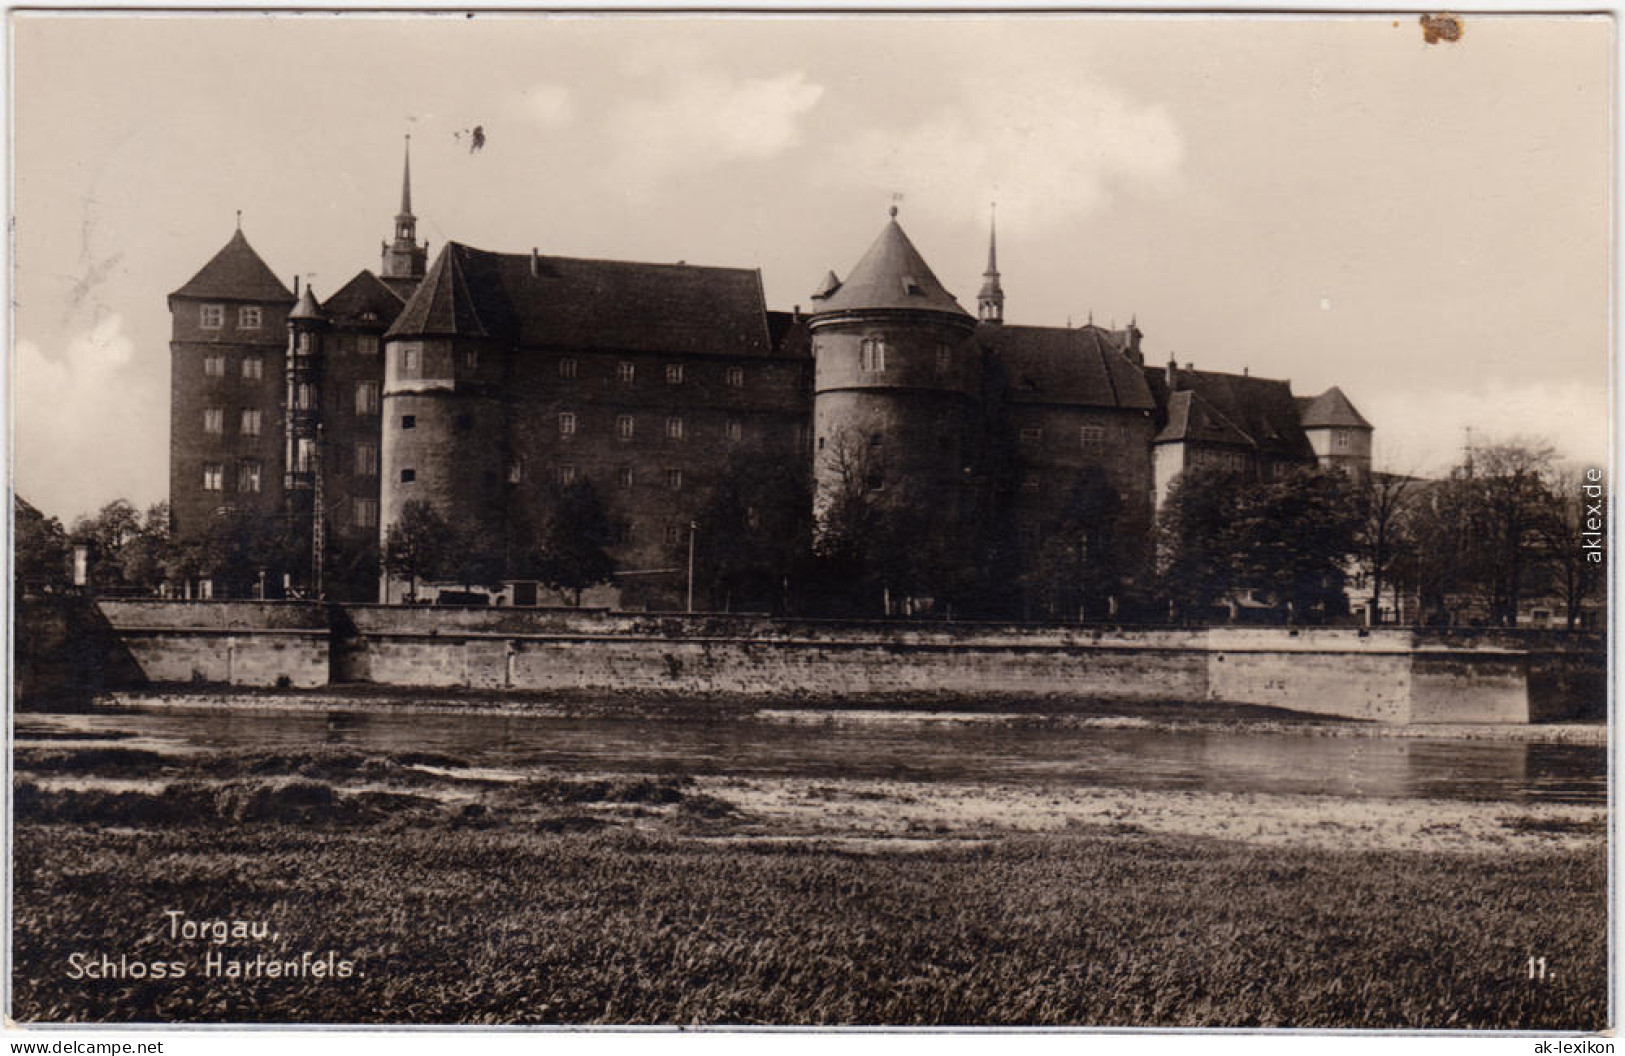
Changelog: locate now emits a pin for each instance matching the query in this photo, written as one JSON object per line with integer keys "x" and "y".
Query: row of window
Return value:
{"x": 214, "y": 366}
{"x": 213, "y": 317}
{"x": 1091, "y": 437}
{"x": 248, "y": 423}
{"x": 626, "y": 373}
{"x": 872, "y": 355}
{"x": 626, "y": 427}
{"x": 248, "y": 476}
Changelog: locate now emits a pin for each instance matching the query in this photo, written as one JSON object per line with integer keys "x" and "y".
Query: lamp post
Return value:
{"x": 693, "y": 527}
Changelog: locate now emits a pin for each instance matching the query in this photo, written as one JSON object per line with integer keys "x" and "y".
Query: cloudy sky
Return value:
{"x": 1330, "y": 200}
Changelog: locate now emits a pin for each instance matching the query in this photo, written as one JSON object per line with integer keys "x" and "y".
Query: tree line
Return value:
{"x": 1504, "y": 526}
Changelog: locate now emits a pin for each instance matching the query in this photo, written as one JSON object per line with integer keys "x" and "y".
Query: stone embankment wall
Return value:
{"x": 1398, "y": 676}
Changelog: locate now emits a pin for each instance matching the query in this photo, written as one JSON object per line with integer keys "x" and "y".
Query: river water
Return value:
{"x": 851, "y": 745}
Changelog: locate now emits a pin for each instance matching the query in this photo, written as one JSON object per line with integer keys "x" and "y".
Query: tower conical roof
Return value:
{"x": 306, "y": 308}
{"x": 236, "y": 273}
{"x": 444, "y": 305}
{"x": 892, "y": 274}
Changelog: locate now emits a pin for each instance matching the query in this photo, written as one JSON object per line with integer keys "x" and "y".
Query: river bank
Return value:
{"x": 895, "y": 709}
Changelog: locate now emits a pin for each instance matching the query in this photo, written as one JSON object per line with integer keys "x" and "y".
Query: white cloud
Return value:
{"x": 1048, "y": 145}
{"x": 87, "y": 429}
{"x": 1423, "y": 431}
{"x": 549, "y": 105}
{"x": 701, "y": 120}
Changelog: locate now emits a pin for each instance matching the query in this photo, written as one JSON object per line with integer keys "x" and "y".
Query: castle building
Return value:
{"x": 482, "y": 381}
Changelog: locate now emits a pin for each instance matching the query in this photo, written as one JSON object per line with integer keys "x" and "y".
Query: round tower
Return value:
{"x": 444, "y": 421}
{"x": 896, "y": 383}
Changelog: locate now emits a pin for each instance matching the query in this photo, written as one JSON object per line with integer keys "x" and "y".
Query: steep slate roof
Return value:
{"x": 892, "y": 274}
{"x": 1263, "y": 409}
{"x": 1192, "y": 419}
{"x": 236, "y": 273}
{"x": 366, "y": 293}
{"x": 567, "y": 302}
{"x": 1046, "y": 364}
{"x": 1330, "y": 408}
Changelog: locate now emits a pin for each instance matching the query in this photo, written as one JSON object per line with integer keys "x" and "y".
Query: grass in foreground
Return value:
{"x": 454, "y": 915}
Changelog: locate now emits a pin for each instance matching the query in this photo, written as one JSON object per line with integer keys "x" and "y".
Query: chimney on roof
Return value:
{"x": 535, "y": 262}
{"x": 1244, "y": 371}
{"x": 296, "y": 287}
{"x": 1171, "y": 374}
{"x": 795, "y": 313}
{"x": 1190, "y": 367}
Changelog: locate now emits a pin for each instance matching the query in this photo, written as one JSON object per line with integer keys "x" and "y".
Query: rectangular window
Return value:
{"x": 736, "y": 377}
{"x": 1340, "y": 441}
{"x": 624, "y": 426}
{"x": 674, "y": 428}
{"x": 305, "y": 456}
{"x": 1031, "y": 435}
{"x": 304, "y": 396}
{"x": 212, "y": 316}
{"x": 366, "y": 513}
{"x": 253, "y": 368}
{"x": 408, "y": 476}
{"x": 567, "y": 476}
{"x": 872, "y": 356}
{"x": 307, "y": 343}
{"x": 625, "y": 372}
{"x": 248, "y": 318}
{"x": 567, "y": 368}
{"x": 214, "y": 366}
{"x": 567, "y": 424}
{"x": 367, "y": 344}
{"x": 674, "y": 373}
{"x": 471, "y": 359}
{"x": 250, "y": 424}
{"x": 673, "y": 533}
{"x": 411, "y": 360}
{"x": 248, "y": 477}
{"x": 213, "y": 476}
{"x": 366, "y": 460}
{"x": 623, "y": 477}
{"x": 674, "y": 479}
{"x": 516, "y": 471}
{"x": 366, "y": 397}
{"x": 1091, "y": 436}
{"x": 735, "y": 431}
{"x": 944, "y": 358}
{"x": 214, "y": 420}
{"x": 409, "y": 421}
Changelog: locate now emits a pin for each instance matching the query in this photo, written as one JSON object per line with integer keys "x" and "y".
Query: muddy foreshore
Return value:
{"x": 938, "y": 709}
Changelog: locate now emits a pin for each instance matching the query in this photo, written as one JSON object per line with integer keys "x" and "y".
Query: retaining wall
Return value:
{"x": 1396, "y": 676}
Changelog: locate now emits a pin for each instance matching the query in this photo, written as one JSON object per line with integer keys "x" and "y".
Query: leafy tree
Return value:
{"x": 1381, "y": 541}
{"x": 573, "y": 548}
{"x": 236, "y": 549}
{"x": 418, "y": 546}
{"x": 1075, "y": 569}
{"x": 41, "y": 551}
{"x": 755, "y": 531}
{"x": 1509, "y": 501}
{"x": 1194, "y": 549}
{"x": 1288, "y": 540}
{"x": 1569, "y": 524}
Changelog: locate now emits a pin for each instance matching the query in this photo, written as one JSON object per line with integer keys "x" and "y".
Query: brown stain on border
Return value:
{"x": 1440, "y": 27}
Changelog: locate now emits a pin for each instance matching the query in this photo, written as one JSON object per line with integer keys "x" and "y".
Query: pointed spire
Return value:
{"x": 990, "y": 301}
{"x": 403, "y": 257}
{"x": 406, "y": 180}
